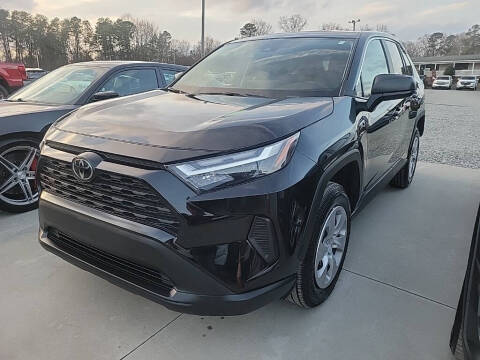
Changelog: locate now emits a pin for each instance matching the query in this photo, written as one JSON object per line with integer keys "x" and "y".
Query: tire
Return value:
{"x": 3, "y": 92}
{"x": 18, "y": 190}
{"x": 459, "y": 350}
{"x": 404, "y": 177}
{"x": 307, "y": 292}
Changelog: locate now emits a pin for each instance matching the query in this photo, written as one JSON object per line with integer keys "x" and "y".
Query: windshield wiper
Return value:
{"x": 227, "y": 93}
{"x": 16, "y": 100}
{"x": 176, "y": 91}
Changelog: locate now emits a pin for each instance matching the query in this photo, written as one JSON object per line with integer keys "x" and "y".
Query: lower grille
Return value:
{"x": 145, "y": 277}
{"x": 117, "y": 194}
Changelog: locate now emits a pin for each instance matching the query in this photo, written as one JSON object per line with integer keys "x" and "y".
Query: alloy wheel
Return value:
{"x": 412, "y": 161}
{"x": 17, "y": 175}
{"x": 331, "y": 246}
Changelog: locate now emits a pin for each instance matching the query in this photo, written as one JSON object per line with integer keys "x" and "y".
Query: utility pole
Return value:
{"x": 354, "y": 22}
{"x": 203, "y": 28}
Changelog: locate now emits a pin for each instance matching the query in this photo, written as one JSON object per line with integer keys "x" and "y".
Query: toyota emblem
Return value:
{"x": 82, "y": 169}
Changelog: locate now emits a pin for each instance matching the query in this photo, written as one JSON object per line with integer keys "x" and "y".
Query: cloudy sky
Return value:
{"x": 406, "y": 18}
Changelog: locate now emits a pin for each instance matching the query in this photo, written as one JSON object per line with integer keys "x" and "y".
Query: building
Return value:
{"x": 463, "y": 64}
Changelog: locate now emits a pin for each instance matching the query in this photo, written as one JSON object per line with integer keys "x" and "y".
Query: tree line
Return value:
{"x": 36, "y": 40}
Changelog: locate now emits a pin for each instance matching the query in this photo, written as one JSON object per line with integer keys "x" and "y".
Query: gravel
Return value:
{"x": 452, "y": 128}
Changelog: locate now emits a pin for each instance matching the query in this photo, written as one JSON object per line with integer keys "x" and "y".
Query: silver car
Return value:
{"x": 467, "y": 82}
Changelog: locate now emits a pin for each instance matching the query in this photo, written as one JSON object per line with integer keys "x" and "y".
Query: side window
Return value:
{"x": 133, "y": 81}
{"x": 169, "y": 76}
{"x": 397, "y": 63}
{"x": 374, "y": 64}
{"x": 408, "y": 70}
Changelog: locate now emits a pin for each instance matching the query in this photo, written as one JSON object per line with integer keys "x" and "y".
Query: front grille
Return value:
{"x": 143, "y": 276}
{"x": 121, "y": 195}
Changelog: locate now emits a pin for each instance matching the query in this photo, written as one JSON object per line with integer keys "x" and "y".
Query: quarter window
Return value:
{"x": 133, "y": 81}
{"x": 397, "y": 63}
{"x": 374, "y": 64}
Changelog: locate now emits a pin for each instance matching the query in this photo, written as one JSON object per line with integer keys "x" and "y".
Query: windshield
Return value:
{"x": 468, "y": 77}
{"x": 63, "y": 86}
{"x": 271, "y": 67}
{"x": 443, "y": 78}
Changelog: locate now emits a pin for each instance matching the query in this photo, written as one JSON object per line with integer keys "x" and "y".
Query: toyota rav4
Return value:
{"x": 236, "y": 185}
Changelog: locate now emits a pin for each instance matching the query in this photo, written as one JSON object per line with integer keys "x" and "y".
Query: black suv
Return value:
{"x": 236, "y": 185}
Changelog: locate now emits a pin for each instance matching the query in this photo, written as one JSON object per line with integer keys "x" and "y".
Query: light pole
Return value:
{"x": 354, "y": 22}
{"x": 203, "y": 28}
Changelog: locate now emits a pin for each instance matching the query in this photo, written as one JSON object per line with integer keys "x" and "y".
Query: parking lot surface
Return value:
{"x": 395, "y": 299}
{"x": 452, "y": 128}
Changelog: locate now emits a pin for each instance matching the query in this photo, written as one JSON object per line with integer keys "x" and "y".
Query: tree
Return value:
{"x": 248, "y": 30}
{"x": 449, "y": 70}
{"x": 263, "y": 28}
{"x": 332, "y": 26}
{"x": 435, "y": 44}
{"x": 293, "y": 23}
{"x": 472, "y": 40}
{"x": 5, "y": 29}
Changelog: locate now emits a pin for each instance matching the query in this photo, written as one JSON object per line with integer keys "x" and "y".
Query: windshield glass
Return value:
{"x": 443, "y": 78}
{"x": 272, "y": 67}
{"x": 468, "y": 77}
{"x": 63, "y": 86}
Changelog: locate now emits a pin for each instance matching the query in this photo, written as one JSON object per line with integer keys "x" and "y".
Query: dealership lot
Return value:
{"x": 396, "y": 298}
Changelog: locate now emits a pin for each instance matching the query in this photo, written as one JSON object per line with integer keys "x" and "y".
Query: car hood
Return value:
{"x": 188, "y": 125}
{"x": 30, "y": 117}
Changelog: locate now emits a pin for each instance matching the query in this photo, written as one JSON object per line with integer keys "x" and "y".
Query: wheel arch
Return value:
{"x": 30, "y": 135}
{"x": 337, "y": 171}
{"x": 421, "y": 124}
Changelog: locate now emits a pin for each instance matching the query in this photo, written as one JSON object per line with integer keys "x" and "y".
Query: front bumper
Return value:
{"x": 441, "y": 86}
{"x": 466, "y": 86}
{"x": 55, "y": 212}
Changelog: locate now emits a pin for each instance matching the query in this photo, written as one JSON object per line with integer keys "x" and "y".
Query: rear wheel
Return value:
{"x": 18, "y": 187}
{"x": 405, "y": 176}
{"x": 319, "y": 270}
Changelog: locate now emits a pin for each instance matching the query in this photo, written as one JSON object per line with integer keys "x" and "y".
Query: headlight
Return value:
{"x": 230, "y": 169}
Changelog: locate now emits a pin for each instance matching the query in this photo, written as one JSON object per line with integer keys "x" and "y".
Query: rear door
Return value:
{"x": 381, "y": 139}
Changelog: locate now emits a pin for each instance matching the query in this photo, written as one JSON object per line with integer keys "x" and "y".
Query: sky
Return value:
{"x": 408, "y": 19}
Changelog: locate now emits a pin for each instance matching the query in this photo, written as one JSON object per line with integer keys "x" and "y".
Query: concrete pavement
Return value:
{"x": 395, "y": 299}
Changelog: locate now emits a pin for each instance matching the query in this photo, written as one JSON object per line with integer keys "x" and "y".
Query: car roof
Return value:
{"x": 321, "y": 34}
{"x": 118, "y": 63}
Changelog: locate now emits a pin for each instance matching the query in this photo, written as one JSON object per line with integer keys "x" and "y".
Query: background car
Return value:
{"x": 464, "y": 339}
{"x": 442, "y": 82}
{"x": 12, "y": 77}
{"x": 467, "y": 82}
{"x": 34, "y": 74}
{"x": 26, "y": 115}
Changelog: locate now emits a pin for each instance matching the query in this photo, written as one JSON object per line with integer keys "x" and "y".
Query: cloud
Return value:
{"x": 376, "y": 8}
{"x": 26, "y": 5}
{"x": 448, "y": 8}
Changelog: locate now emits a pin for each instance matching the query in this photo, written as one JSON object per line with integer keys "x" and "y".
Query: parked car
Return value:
{"x": 12, "y": 77}
{"x": 236, "y": 185}
{"x": 464, "y": 338}
{"x": 26, "y": 115}
{"x": 442, "y": 82}
{"x": 467, "y": 82}
{"x": 34, "y": 74}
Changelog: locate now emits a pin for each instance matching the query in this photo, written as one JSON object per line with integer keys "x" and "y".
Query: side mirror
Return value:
{"x": 390, "y": 87}
{"x": 104, "y": 95}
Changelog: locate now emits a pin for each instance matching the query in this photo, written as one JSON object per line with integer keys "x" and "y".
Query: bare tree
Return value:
{"x": 366, "y": 27}
{"x": 382, "y": 28}
{"x": 332, "y": 26}
{"x": 293, "y": 23}
{"x": 263, "y": 28}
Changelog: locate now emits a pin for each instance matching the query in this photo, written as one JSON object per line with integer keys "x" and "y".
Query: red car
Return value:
{"x": 11, "y": 78}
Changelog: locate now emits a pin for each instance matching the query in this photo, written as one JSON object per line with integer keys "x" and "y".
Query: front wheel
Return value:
{"x": 18, "y": 187}
{"x": 404, "y": 177}
{"x": 319, "y": 270}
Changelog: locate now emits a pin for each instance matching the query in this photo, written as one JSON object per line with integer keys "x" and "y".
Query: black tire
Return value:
{"x": 306, "y": 293}
{"x": 3, "y": 92}
{"x": 459, "y": 350}
{"x": 5, "y": 206}
{"x": 402, "y": 179}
